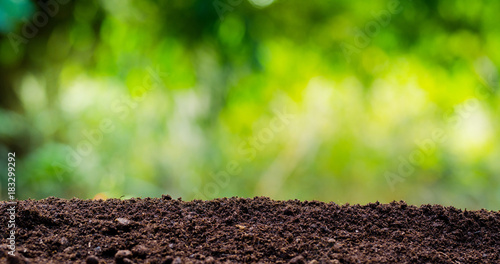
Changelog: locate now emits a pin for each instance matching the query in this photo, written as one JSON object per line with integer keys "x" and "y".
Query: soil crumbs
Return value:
{"x": 237, "y": 230}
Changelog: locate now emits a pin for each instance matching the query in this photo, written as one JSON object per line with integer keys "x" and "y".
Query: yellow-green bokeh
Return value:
{"x": 325, "y": 100}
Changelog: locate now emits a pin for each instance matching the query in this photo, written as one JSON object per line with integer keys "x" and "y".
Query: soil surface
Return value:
{"x": 236, "y": 230}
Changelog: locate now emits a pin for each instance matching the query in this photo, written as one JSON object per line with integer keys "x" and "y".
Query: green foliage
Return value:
{"x": 344, "y": 101}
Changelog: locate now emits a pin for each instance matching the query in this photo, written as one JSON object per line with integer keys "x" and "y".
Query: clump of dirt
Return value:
{"x": 236, "y": 230}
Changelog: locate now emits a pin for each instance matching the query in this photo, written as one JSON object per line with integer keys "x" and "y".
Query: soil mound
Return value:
{"x": 236, "y": 230}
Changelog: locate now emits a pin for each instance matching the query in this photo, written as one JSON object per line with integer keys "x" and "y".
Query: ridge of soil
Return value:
{"x": 236, "y": 230}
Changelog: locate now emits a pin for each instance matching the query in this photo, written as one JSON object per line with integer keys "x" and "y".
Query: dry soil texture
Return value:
{"x": 235, "y": 230}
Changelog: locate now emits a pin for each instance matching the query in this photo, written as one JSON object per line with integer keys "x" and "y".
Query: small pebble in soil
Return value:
{"x": 92, "y": 260}
{"x": 97, "y": 249}
{"x": 241, "y": 227}
{"x": 298, "y": 260}
{"x": 63, "y": 241}
{"x": 68, "y": 250}
{"x": 123, "y": 221}
{"x": 140, "y": 251}
{"x": 177, "y": 260}
{"x": 121, "y": 254}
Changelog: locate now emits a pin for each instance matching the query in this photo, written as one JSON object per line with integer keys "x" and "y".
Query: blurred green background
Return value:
{"x": 344, "y": 101}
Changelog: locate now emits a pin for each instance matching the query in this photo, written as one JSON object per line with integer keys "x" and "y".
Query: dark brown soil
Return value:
{"x": 235, "y": 230}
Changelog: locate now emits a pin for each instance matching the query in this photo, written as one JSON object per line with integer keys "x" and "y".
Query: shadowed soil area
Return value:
{"x": 236, "y": 230}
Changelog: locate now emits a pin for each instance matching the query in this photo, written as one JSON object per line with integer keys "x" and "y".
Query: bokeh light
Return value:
{"x": 330, "y": 100}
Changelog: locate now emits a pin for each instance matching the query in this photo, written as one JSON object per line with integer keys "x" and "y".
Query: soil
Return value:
{"x": 258, "y": 230}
